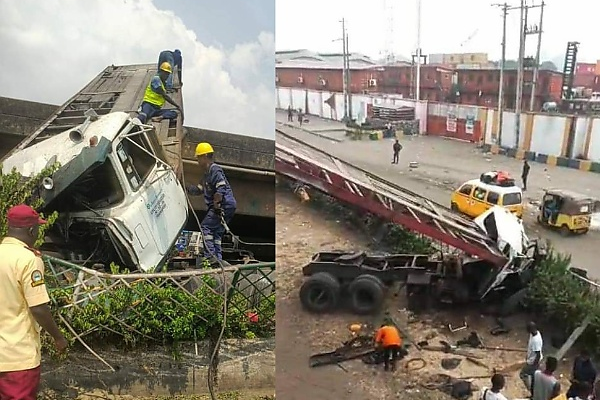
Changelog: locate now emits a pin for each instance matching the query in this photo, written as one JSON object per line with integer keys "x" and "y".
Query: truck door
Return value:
{"x": 160, "y": 209}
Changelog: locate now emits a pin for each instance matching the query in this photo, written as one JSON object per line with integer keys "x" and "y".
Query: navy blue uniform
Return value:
{"x": 211, "y": 226}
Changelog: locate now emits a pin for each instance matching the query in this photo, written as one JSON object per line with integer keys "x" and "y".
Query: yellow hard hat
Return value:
{"x": 203, "y": 149}
{"x": 166, "y": 67}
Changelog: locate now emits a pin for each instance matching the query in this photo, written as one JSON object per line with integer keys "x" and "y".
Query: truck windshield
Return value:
{"x": 136, "y": 162}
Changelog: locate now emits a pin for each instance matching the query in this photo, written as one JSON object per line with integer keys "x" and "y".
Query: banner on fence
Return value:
{"x": 451, "y": 121}
{"x": 470, "y": 125}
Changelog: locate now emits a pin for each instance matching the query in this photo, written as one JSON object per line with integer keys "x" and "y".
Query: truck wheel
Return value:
{"x": 366, "y": 294}
{"x": 320, "y": 293}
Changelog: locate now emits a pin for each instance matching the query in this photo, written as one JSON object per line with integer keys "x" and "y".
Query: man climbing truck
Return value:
{"x": 155, "y": 97}
{"x": 220, "y": 202}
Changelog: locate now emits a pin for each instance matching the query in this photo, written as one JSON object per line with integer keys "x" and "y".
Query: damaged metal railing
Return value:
{"x": 161, "y": 307}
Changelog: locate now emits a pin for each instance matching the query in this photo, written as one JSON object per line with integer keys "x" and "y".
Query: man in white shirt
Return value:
{"x": 534, "y": 355}
{"x": 494, "y": 392}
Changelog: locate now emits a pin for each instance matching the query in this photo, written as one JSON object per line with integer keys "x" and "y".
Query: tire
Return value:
{"x": 366, "y": 294}
{"x": 320, "y": 293}
{"x": 454, "y": 207}
{"x": 565, "y": 231}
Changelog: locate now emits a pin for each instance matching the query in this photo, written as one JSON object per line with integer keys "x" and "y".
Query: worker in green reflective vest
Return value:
{"x": 155, "y": 97}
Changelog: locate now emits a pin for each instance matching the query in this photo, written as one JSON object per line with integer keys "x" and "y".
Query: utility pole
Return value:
{"x": 348, "y": 80}
{"x": 418, "y": 83}
{"x": 536, "y": 67}
{"x": 344, "y": 70}
{"x": 519, "y": 97}
{"x": 502, "y": 66}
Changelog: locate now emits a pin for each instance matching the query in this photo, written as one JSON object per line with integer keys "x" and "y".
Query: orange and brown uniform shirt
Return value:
{"x": 388, "y": 336}
{"x": 21, "y": 286}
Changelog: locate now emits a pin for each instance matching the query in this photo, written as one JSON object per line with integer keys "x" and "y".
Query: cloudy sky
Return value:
{"x": 446, "y": 27}
{"x": 51, "y": 49}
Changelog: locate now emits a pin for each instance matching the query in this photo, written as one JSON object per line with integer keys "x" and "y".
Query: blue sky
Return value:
{"x": 227, "y": 47}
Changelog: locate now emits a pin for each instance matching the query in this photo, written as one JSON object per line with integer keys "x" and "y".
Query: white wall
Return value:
{"x": 508, "y": 138}
{"x": 580, "y": 133}
{"x": 489, "y": 127}
{"x": 547, "y": 134}
{"x": 594, "y": 153}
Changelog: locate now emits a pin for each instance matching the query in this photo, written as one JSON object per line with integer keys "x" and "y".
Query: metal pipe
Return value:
{"x": 501, "y": 85}
{"x": 536, "y": 69}
{"x": 519, "y": 94}
{"x": 238, "y": 169}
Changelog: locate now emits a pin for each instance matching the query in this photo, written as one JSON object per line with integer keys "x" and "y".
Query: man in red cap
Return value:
{"x": 24, "y": 308}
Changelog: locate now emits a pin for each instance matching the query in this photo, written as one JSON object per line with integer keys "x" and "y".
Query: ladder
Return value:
{"x": 116, "y": 88}
{"x": 569, "y": 70}
{"x": 302, "y": 162}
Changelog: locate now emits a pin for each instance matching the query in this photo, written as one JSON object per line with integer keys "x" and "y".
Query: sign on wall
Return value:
{"x": 451, "y": 121}
{"x": 470, "y": 125}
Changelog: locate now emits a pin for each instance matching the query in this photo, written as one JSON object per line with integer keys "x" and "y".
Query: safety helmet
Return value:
{"x": 203, "y": 149}
{"x": 166, "y": 67}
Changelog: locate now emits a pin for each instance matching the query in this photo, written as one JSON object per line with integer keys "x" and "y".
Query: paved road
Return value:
{"x": 444, "y": 164}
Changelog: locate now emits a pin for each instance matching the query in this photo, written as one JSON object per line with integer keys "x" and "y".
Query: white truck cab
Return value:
{"x": 116, "y": 198}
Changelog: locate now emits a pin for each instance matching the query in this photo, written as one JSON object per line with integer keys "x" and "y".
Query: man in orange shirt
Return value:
{"x": 24, "y": 308}
{"x": 388, "y": 339}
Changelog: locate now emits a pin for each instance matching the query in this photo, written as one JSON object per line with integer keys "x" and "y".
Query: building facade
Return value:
{"x": 585, "y": 75}
{"x": 438, "y": 83}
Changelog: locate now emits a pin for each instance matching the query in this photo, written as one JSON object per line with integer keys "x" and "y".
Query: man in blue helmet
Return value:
{"x": 175, "y": 60}
{"x": 220, "y": 202}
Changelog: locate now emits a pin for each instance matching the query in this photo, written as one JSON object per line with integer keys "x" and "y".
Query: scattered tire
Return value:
{"x": 320, "y": 293}
{"x": 366, "y": 294}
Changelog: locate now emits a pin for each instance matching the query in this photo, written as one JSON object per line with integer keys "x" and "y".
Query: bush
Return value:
{"x": 15, "y": 190}
{"x": 565, "y": 300}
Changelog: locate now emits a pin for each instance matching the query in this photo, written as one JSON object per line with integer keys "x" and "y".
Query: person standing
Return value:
{"x": 388, "y": 339}
{"x": 583, "y": 373}
{"x": 534, "y": 355}
{"x": 174, "y": 59}
{"x": 525, "y": 173}
{"x": 300, "y": 116}
{"x": 545, "y": 385}
{"x": 25, "y": 309}
{"x": 397, "y": 147}
{"x": 494, "y": 393}
{"x": 219, "y": 199}
{"x": 155, "y": 97}
{"x": 290, "y": 114}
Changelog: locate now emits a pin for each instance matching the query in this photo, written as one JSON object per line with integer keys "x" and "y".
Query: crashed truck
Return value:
{"x": 486, "y": 260}
{"x": 117, "y": 199}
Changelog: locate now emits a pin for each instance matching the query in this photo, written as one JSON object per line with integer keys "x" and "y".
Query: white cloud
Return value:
{"x": 53, "y": 48}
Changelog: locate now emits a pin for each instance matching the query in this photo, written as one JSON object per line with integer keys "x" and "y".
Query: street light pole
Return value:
{"x": 344, "y": 70}
{"x": 501, "y": 84}
{"x": 418, "y": 83}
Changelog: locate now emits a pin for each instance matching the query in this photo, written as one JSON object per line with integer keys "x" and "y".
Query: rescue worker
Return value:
{"x": 220, "y": 202}
{"x": 24, "y": 308}
{"x": 388, "y": 340}
{"x": 397, "y": 147}
{"x": 525, "y": 174}
{"x": 155, "y": 97}
{"x": 495, "y": 392}
{"x": 175, "y": 60}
